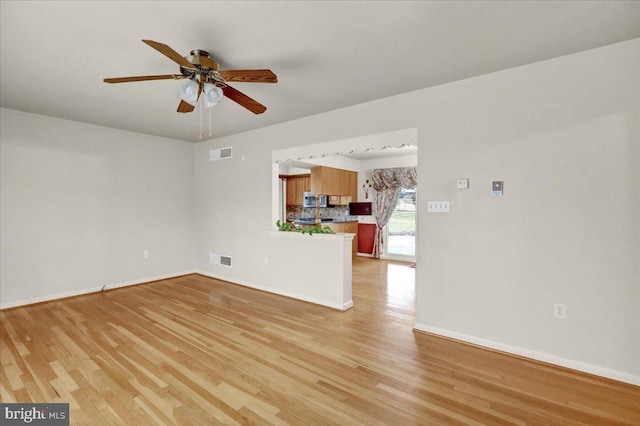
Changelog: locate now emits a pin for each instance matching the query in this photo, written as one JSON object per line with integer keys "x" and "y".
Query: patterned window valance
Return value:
{"x": 405, "y": 177}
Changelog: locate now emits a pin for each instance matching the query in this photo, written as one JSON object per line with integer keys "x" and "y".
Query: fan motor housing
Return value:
{"x": 202, "y": 59}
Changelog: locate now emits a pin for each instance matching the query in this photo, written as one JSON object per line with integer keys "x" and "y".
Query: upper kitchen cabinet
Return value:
{"x": 296, "y": 186}
{"x": 337, "y": 182}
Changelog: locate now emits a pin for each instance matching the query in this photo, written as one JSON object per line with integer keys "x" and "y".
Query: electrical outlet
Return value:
{"x": 559, "y": 310}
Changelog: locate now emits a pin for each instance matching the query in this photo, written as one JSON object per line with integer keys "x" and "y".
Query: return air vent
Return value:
{"x": 220, "y": 154}
{"x": 218, "y": 259}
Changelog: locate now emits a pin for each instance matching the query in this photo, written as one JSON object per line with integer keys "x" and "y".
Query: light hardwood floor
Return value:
{"x": 193, "y": 350}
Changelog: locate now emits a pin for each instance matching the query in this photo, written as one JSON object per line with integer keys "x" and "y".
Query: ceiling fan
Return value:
{"x": 203, "y": 75}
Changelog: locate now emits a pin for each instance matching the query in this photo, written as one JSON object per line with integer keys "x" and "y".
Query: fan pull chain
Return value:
{"x": 201, "y": 107}
{"x": 210, "y": 121}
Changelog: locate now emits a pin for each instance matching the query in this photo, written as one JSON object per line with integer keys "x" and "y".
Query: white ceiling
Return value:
{"x": 327, "y": 55}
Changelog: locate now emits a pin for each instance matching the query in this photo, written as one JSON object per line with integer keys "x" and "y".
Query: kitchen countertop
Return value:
{"x": 324, "y": 222}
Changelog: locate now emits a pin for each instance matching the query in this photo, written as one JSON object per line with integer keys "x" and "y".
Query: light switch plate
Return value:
{"x": 463, "y": 184}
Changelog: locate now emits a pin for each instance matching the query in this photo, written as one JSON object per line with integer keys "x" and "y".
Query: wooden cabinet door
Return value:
{"x": 296, "y": 186}
{"x": 335, "y": 227}
{"x": 352, "y": 228}
{"x": 339, "y": 200}
{"x": 316, "y": 180}
{"x": 304, "y": 185}
{"x": 291, "y": 194}
{"x": 330, "y": 181}
{"x": 353, "y": 187}
{"x": 299, "y": 192}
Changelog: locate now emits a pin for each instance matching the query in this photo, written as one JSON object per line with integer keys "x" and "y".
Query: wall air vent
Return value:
{"x": 218, "y": 259}
{"x": 220, "y": 154}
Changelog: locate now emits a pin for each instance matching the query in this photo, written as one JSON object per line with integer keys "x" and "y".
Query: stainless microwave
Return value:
{"x": 309, "y": 200}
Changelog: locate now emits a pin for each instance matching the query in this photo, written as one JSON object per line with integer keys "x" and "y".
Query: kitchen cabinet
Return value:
{"x": 339, "y": 200}
{"x": 336, "y": 182}
{"x": 346, "y": 228}
{"x": 296, "y": 186}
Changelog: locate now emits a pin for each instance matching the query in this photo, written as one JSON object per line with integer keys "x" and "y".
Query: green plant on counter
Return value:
{"x": 311, "y": 229}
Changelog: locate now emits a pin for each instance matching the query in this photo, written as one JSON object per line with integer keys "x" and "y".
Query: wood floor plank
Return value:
{"x": 194, "y": 350}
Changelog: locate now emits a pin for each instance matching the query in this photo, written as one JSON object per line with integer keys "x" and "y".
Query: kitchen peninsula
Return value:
{"x": 344, "y": 225}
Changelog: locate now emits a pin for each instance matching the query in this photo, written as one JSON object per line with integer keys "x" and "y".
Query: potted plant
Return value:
{"x": 311, "y": 229}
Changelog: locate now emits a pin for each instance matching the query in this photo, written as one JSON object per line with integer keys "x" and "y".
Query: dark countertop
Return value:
{"x": 324, "y": 222}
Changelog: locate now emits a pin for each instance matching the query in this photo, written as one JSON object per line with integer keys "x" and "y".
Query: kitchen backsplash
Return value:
{"x": 298, "y": 212}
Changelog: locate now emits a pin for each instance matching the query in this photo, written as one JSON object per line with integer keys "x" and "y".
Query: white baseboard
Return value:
{"x": 364, "y": 254}
{"x": 539, "y": 356}
{"x": 65, "y": 295}
{"x": 50, "y": 297}
{"x": 341, "y": 307}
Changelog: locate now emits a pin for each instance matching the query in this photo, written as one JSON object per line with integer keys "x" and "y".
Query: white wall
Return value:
{"x": 563, "y": 135}
{"x": 81, "y": 203}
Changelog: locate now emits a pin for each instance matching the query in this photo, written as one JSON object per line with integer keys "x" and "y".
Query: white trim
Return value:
{"x": 25, "y": 302}
{"x": 57, "y": 296}
{"x": 399, "y": 257}
{"x": 341, "y": 307}
{"x": 285, "y": 234}
{"x": 379, "y": 141}
{"x": 536, "y": 355}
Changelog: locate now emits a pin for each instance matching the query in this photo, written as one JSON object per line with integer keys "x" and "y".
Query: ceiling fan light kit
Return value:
{"x": 204, "y": 75}
{"x": 189, "y": 92}
{"x": 212, "y": 95}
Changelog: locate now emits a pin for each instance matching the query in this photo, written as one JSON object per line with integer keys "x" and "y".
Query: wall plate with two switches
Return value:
{"x": 463, "y": 184}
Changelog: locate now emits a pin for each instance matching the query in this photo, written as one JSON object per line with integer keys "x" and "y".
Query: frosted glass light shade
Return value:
{"x": 212, "y": 95}
{"x": 189, "y": 92}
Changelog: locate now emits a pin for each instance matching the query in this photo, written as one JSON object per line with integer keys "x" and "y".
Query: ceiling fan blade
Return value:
{"x": 185, "y": 107}
{"x": 244, "y": 100}
{"x": 170, "y": 53}
{"x": 249, "y": 76}
{"x": 144, "y": 78}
